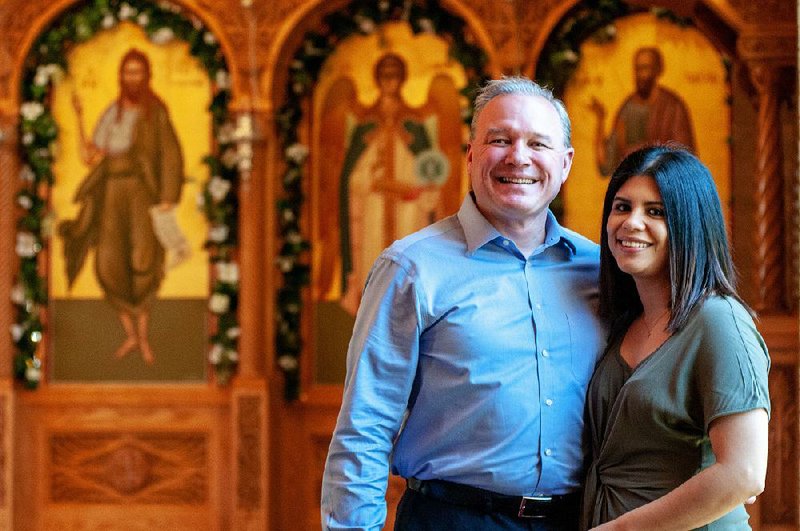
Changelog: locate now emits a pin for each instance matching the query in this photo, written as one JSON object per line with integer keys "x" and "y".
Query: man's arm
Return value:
{"x": 381, "y": 366}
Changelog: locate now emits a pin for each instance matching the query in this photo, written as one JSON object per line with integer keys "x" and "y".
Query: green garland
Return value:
{"x": 38, "y": 130}
{"x": 360, "y": 17}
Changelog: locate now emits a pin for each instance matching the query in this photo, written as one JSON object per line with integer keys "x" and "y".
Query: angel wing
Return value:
{"x": 331, "y": 143}
{"x": 444, "y": 101}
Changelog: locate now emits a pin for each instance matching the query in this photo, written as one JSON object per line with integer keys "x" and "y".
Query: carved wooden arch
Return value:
{"x": 45, "y": 17}
{"x": 310, "y": 16}
{"x": 716, "y": 24}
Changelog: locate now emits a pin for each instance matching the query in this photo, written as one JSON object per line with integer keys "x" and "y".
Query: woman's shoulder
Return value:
{"x": 720, "y": 308}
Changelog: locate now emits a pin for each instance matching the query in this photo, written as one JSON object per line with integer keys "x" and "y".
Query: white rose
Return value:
{"x": 218, "y": 188}
{"x": 227, "y": 272}
{"x": 209, "y": 38}
{"x": 215, "y": 354}
{"x": 18, "y": 294}
{"x": 287, "y": 363}
{"x": 162, "y": 36}
{"x": 17, "y": 330}
{"x": 31, "y": 110}
{"x": 33, "y": 374}
{"x": 232, "y": 355}
{"x": 27, "y": 139}
{"x": 218, "y": 233}
{"x": 222, "y": 79}
{"x": 26, "y": 174}
{"x": 126, "y": 11}
{"x": 27, "y": 246}
{"x": 25, "y": 202}
{"x": 219, "y": 303}
{"x": 234, "y": 332}
{"x": 297, "y": 152}
{"x": 108, "y": 21}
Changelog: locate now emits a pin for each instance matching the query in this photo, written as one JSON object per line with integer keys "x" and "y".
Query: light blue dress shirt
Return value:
{"x": 468, "y": 362}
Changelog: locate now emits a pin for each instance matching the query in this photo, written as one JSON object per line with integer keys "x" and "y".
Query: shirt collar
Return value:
{"x": 478, "y": 231}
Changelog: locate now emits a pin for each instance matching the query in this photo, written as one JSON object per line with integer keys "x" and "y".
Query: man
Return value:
{"x": 474, "y": 344}
{"x": 650, "y": 115}
{"x": 137, "y": 164}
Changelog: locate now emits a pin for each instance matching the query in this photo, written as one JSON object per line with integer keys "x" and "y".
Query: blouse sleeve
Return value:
{"x": 732, "y": 362}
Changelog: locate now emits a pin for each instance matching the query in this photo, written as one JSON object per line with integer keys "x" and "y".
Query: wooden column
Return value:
{"x": 9, "y": 169}
{"x": 768, "y": 243}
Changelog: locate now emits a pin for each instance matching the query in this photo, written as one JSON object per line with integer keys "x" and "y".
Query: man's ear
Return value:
{"x": 566, "y": 163}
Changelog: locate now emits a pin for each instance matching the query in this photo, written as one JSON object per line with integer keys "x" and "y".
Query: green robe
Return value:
{"x": 115, "y": 200}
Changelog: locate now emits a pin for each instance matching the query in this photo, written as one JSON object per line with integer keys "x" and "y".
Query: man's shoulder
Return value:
{"x": 430, "y": 242}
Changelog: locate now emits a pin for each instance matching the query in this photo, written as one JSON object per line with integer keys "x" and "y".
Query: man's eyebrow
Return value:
{"x": 497, "y": 131}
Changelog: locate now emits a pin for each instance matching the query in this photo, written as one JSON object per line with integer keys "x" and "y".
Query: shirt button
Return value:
{"x": 506, "y": 243}
{"x": 549, "y": 402}
{"x": 548, "y": 451}
{"x": 545, "y": 353}
{"x": 538, "y": 306}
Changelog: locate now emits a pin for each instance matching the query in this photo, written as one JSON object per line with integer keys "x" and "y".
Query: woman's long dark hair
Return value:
{"x": 700, "y": 261}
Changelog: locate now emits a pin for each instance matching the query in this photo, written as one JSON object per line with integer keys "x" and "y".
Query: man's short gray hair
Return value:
{"x": 519, "y": 85}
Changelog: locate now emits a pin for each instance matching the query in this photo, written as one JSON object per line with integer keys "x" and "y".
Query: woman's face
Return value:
{"x": 637, "y": 230}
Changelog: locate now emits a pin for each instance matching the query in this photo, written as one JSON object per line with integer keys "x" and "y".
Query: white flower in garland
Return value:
{"x": 297, "y": 153}
{"x": 230, "y": 158}
{"x": 31, "y": 110}
{"x": 426, "y": 25}
{"x": 287, "y": 363}
{"x": 108, "y": 21}
{"x": 366, "y": 25}
{"x": 142, "y": 19}
{"x": 218, "y": 188}
{"x": 209, "y": 38}
{"x": 232, "y": 355}
{"x": 26, "y": 174}
{"x": 126, "y": 11}
{"x": 219, "y": 303}
{"x": 162, "y": 36}
{"x": 234, "y": 333}
{"x": 226, "y": 132}
{"x": 17, "y": 295}
{"x": 285, "y": 263}
{"x": 27, "y": 246}
{"x": 215, "y": 354}
{"x": 33, "y": 370}
{"x": 227, "y": 272}
{"x": 218, "y": 233}
{"x": 17, "y": 331}
{"x": 25, "y": 201}
{"x": 27, "y": 138}
{"x": 222, "y": 79}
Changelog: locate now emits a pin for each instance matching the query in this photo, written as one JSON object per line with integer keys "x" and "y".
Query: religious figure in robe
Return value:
{"x": 136, "y": 165}
{"x": 652, "y": 114}
{"x": 385, "y": 171}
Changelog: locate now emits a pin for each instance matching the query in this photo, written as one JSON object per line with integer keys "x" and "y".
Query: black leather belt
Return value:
{"x": 559, "y": 506}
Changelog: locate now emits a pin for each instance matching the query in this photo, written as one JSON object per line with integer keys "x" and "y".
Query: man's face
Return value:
{"x": 517, "y": 161}
{"x": 646, "y": 71}
{"x": 133, "y": 78}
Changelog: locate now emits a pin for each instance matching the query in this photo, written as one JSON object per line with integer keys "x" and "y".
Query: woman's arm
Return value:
{"x": 739, "y": 442}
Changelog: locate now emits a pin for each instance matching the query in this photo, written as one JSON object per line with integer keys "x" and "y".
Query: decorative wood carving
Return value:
{"x": 249, "y": 462}
{"x": 779, "y": 500}
{"x": 765, "y": 11}
{"x": 142, "y": 468}
{"x": 769, "y": 219}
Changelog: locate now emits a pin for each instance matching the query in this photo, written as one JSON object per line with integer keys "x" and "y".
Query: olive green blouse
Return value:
{"x": 649, "y": 425}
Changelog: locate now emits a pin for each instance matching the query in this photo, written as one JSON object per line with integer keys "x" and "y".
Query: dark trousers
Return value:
{"x": 417, "y": 512}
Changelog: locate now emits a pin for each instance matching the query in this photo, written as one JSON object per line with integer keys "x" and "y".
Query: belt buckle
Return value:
{"x": 528, "y": 504}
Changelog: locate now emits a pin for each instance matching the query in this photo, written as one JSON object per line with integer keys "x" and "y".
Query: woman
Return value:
{"x": 678, "y": 406}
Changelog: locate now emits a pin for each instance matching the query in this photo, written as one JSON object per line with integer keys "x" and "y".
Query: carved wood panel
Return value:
{"x": 120, "y": 467}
